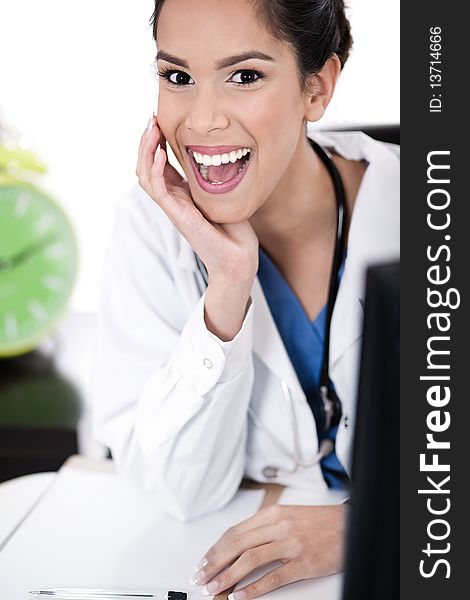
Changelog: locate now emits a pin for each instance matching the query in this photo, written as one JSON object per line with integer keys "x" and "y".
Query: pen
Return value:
{"x": 101, "y": 594}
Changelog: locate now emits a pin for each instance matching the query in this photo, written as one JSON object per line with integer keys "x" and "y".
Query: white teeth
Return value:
{"x": 220, "y": 159}
{"x": 204, "y": 161}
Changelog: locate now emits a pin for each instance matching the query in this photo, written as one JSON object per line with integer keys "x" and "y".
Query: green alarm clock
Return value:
{"x": 38, "y": 265}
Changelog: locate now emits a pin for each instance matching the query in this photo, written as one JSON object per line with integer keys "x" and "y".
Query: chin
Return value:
{"x": 222, "y": 214}
{"x": 223, "y": 210}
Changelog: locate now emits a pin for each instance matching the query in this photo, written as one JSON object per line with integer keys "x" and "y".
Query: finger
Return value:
{"x": 283, "y": 575}
{"x": 270, "y": 515}
{"x": 231, "y": 546}
{"x": 157, "y": 183}
{"x": 180, "y": 210}
{"x": 148, "y": 154}
{"x": 266, "y": 516}
{"x": 153, "y": 168}
{"x": 172, "y": 176}
{"x": 145, "y": 133}
{"x": 151, "y": 122}
{"x": 249, "y": 561}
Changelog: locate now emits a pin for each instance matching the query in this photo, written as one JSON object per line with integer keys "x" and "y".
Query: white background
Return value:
{"x": 75, "y": 81}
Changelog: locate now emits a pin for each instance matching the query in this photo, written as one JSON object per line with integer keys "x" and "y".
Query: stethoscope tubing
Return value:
{"x": 271, "y": 472}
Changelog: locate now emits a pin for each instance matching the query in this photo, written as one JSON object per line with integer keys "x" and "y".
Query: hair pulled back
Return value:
{"x": 314, "y": 29}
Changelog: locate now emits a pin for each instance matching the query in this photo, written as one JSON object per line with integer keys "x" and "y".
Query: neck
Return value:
{"x": 302, "y": 208}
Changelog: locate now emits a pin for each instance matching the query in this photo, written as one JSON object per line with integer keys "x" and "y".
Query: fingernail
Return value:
{"x": 202, "y": 564}
{"x": 238, "y": 595}
{"x": 206, "y": 592}
{"x": 157, "y": 153}
{"x": 197, "y": 578}
{"x": 150, "y": 125}
{"x": 211, "y": 588}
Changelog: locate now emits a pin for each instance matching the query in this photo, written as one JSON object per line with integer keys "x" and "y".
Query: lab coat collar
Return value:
{"x": 372, "y": 233}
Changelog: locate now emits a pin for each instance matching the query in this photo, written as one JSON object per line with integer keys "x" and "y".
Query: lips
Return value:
{"x": 217, "y": 188}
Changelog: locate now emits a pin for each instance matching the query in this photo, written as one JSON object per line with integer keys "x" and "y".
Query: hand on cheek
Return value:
{"x": 307, "y": 540}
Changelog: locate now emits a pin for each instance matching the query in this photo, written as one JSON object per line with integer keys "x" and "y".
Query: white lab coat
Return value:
{"x": 171, "y": 399}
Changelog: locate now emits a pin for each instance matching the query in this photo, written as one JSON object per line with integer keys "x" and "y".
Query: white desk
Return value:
{"x": 91, "y": 530}
{"x": 17, "y": 497}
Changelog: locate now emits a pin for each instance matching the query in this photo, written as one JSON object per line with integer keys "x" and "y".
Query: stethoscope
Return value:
{"x": 328, "y": 412}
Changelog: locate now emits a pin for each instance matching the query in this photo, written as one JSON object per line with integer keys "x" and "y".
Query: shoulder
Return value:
{"x": 354, "y": 145}
{"x": 374, "y": 238}
{"x": 383, "y": 158}
{"x": 378, "y": 196}
{"x": 374, "y": 235}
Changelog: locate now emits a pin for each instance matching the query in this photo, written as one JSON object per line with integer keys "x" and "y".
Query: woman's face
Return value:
{"x": 228, "y": 87}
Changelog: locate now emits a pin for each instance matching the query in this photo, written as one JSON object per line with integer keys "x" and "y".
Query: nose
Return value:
{"x": 206, "y": 114}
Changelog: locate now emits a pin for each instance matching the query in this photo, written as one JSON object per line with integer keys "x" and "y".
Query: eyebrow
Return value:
{"x": 220, "y": 64}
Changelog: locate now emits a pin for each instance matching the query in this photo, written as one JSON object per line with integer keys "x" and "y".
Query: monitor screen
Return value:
{"x": 372, "y": 545}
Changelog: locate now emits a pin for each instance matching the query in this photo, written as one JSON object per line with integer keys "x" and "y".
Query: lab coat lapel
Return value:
{"x": 268, "y": 344}
{"x": 346, "y": 323}
{"x": 372, "y": 235}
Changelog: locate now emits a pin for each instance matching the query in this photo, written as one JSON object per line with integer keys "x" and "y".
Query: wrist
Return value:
{"x": 225, "y": 309}
{"x": 235, "y": 284}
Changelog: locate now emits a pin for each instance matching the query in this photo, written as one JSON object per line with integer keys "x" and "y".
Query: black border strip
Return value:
{"x": 424, "y": 132}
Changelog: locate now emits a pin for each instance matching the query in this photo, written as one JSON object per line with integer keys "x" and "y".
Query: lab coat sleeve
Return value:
{"x": 170, "y": 399}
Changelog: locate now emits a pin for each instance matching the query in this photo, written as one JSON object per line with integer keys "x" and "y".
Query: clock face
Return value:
{"x": 38, "y": 265}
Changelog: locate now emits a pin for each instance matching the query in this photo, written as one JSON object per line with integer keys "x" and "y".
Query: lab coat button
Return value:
{"x": 208, "y": 363}
{"x": 346, "y": 421}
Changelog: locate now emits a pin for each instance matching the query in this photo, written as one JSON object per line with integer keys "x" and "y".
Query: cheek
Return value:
{"x": 275, "y": 121}
{"x": 167, "y": 117}
{"x": 260, "y": 119}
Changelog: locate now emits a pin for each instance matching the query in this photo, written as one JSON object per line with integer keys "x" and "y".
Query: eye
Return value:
{"x": 176, "y": 78}
{"x": 246, "y": 77}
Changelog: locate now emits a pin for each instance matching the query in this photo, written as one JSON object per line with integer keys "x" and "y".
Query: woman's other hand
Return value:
{"x": 229, "y": 251}
{"x": 308, "y": 540}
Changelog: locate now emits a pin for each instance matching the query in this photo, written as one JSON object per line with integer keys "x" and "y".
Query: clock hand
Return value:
{"x": 23, "y": 255}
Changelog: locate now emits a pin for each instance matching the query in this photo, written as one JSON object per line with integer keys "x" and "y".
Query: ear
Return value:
{"x": 320, "y": 88}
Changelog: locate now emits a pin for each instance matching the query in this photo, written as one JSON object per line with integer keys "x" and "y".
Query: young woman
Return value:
{"x": 214, "y": 336}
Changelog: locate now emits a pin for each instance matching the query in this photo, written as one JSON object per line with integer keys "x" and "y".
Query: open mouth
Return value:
{"x": 219, "y": 173}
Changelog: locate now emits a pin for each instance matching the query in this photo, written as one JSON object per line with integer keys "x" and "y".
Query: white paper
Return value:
{"x": 17, "y": 497}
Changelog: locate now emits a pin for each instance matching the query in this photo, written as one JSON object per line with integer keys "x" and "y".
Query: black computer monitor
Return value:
{"x": 372, "y": 546}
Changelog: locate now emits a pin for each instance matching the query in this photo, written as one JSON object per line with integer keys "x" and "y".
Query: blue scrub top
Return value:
{"x": 304, "y": 341}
